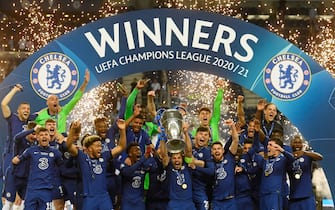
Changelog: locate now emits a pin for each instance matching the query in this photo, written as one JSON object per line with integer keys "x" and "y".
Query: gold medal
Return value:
{"x": 184, "y": 186}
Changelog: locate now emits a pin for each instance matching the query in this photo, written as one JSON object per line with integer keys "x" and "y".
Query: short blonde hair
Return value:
{"x": 90, "y": 139}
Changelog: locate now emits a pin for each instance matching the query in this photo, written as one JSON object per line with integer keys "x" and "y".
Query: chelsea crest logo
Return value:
{"x": 54, "y": 73}
{"x": 287, "y": 76}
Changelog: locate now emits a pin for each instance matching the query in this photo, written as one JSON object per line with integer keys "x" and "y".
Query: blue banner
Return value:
{"x": 170, "y": 39}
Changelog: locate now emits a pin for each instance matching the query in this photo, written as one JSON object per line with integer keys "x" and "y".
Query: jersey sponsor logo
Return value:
{"x": 221, "y": 173}
{"x": 97, "y": 169}
{"x": 67, "y": 155}
{"x": 287, "y": 76}
{"x": 161, "y": 177}
{"x": 136, "y": 182}
{"x": 54, "y": 73}
{"x": 44, "y": 163}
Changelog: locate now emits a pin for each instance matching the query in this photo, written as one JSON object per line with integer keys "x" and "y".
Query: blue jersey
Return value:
{"x": 94, "y": 181}
{"x": 93, "y": 172}
{"x": 224, "y": 181}
{"x": 15, "y": 126}
{"x": 158, "y": 184}
{"x": 69, "y": 169}
{"x": 21, "y": 144}
{"x": 112, "y": 134}
{"x": 201, "y": 176}
{"x": 61, "y": 147}
{"x": 203, "y": 153}
{"x": 300, "y": 174}
{"x": 244, "y": 136}
{"x": 274, "y": 173}
{"x": 133, "y": 183}
{"x": 141, "y": 137}
{"x": 108, "y": 143}
{"x": 242, "y": 179}
{"x": 180, "y": 183}
{"x": 255, "y": 172}
{"x": 43, "y": 161}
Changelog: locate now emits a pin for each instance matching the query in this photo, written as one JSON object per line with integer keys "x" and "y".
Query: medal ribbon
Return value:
{"x": 179, "y": 177}
{"x": 89, "y": 160}
{"x": 268, "y": 133}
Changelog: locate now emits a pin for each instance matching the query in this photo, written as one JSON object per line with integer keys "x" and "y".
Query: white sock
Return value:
{"x": 16, "y": 207}
{"x": 8, "y": 205}
{"x": 68, "y": 205}
{"x": 20, "y": 207}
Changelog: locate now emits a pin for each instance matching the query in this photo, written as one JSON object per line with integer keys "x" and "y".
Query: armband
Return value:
{"x": 188, "y": 160}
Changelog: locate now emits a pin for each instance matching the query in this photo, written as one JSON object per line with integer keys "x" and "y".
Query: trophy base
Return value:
{"x": 175, "y": 146}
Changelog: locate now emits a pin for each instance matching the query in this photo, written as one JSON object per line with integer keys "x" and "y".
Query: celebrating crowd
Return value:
{"x": 129, "y": 165}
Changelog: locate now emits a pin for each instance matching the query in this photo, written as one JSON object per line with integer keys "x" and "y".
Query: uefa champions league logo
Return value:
{"x": 54, "y": 73}
{"x": 287, "y": 76}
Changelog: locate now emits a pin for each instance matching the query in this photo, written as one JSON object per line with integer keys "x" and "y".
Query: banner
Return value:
{"x": 170, "y": 39}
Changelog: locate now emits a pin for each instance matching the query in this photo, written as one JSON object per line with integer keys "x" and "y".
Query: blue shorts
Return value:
{"x": 6, "y": 162}
{"x": 156, "y": 205}
{"x": 9, "y": 190}
{"x": 38, "y": 199}
{"x": 271, "y": 201}
{"x": 125, "y": 205}
{"x": 229, "y": 204}
{"x": 245, "y": 202}
{"x": 201, "y": 205}
{"x": 200, "y": 199}
{"x": 180, "y": 204}
{"x": 70, "y": 189}
{"x": 114, "y": 187}
{"x": 57, "y": 192}
{"x": 21, "y": 186}
{"x": 308, "y": 203}
{"x": 97, "y": 202}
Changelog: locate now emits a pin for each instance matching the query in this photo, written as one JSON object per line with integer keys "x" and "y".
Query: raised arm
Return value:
{"x": 234, "y": 135}
{"x": 151, "y": 103}
{"x": 124, "y": 97}
{"x": 287, "y": 154}
{"x": 132, "y": 97}
{"x": 240, "y": 110}
{"x": 215, "y": 119}
{"x": 258, "y": 129}
{"x": 6, "y": 112}
{"x": 137, "y": 111}
{"x": 188, "y": 143}
{"x": 122, "y": 141}
{"x": 74, "y": 132}
{"x": 77, "y": 96}
{"x": 19, "y": 136}
{"x": 260, "y": 108}
{"x": 86, "y": 80}
{"x": 164, "y": 156}
{"x": 314, "y": 155}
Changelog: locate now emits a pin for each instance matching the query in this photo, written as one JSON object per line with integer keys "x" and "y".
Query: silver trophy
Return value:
{"x": 172, "y": 122}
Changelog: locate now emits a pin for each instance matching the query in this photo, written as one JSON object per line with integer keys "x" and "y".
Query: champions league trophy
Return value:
{"x": 172, "y": 122}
